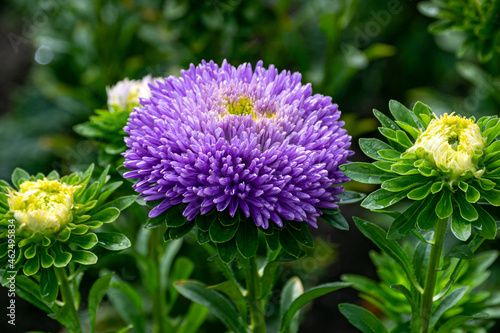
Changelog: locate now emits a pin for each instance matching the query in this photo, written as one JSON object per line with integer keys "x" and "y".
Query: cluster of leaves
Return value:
{"x": 479, "y": 21}
{"x": 35, "y": 250}
{"x": 459, "y": 300}
{"x": 233, "y": 235}
{"x": 106, "y": 128}
{"x": 227, "y": 299}
{"x": 408, "y": 175}
{"x": 42, "y": 257}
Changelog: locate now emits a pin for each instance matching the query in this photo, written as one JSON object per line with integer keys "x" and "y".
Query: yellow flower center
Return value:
{"x": 42, "y": 206}
{"x": 451, "y": 143}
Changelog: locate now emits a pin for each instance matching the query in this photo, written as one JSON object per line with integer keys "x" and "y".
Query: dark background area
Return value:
{"x": 58, "y": 56}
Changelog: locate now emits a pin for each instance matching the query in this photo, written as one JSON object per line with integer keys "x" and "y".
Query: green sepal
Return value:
{"x": 401, "y": 113}
{"x": 404, "y": 167}
{"x": 86, "y": 241}
{"x": 203, "y": 222}
{"x": 176, "y": 233}
{"x": 492, "y": 196}
{"x": 485, "y": 224}
{"x": 403, "y": 139}
{"x": 444, "y": 207}
{"x": 94, "y": 224}
{"x": 349, "y": 197}
{"x": 390, "y": 154}
{"x": 423, "y": 113}
{"x": 463, "y": 186}
{"x": 427, "y": 218}
{"x": 46, "y": 259}
{"x": 335, "y": 219}
{"x": 113, "y": 241}
{"x": 30, "y": 252}
{"x": 80, "y": 229}
{"x": 472, "y": 195}
{"x": 303, "y": 236}
{"x": 31, "y": 266}
{"x": 155, "y": 222}
{"x": 49, "y": 286}
{"x": 226, "y": 219}
{"x": 405, "y": 223}
{"x": 61, "y": 257}
{"x": 273, "y": 240}
{"x": 220, "y": 233}
{"x": 421, "y": 192}
{"x": 289, "y": 243}
{"x": 227, "y": 251}
{"x": 385, "y": 121}
{"x": 106, "y": 215}
{"x": 84, "y": 257}
{"x": 19, "y": 176}
{"x": 247, "y": 238}
{"x": 202, "y": 236}
{"x": 53, "y": 175}
{"x": 365, "y": 173}
{"x": 437, "y": 187}
{"x": 485, "y": 184}
{"x": 381, "y": 198}
{"x": 403, "y": 183}
{"x": 64, "y": 235}
{"x": 174, "y": 217}
{"x": 461, "y": 228}
{"x": 415, "y": 133}
{"x": 467, "y": 210}
{"x": 371, "y": 147}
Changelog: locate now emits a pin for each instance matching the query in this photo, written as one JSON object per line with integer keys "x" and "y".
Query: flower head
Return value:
{"x": 447, "y": 165}
{"x": 253, "y": 143}
{"x": 51, "y": 219}
{"x": 127, "y": 94}
{"x": 451, "y": 143}
{"x": 42, "y": 206}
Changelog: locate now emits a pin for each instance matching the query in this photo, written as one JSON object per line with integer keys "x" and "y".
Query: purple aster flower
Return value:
{"x": 227, "y": 138}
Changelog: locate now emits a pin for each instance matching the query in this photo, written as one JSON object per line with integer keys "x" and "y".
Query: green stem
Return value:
{"x": 158, "y": 295}
{"x": 252, "y": 277}
{"x": 430, "y": 280}
{"x": 67, "y": 296}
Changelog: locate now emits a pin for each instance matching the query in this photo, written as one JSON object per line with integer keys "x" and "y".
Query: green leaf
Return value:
{"x": 492, "y": 196}
{"x": 378, "y": 236}
{"x": 106, "y": 215}
{"x": 381, "y": 198}
{"x": 421, "y": 192}
{"x": 122, "y": 203}
{"x": 308, "y": 296}
{"x": 444, "y": 208}
{"x": 461, "y": 228}
{"x": 19, "y": 176}
{"x": 335, "y": 219}
{"x": 371, "y": 147}
{"x": 403, "y": 183}
{"x": 194, "y": 318}
{"x": 401, "y": 113}
{"x": 485, "y": 225}
{"x": 227, "y": 220}
{"x": 423, "y": 113}
{"x": 113, "y": 241}
{"x": 349, "y": 197}
{"x": 365, "y": 173}
{"x": 247, "y": 239}
{"x": 472, "y": 195}
{"x": 291, "y": 291}
{"x": 362, "y": 319}
{"x": 385, "y": 121}
{"x": 406, "y": 222}
{"x": 203, "y": 222}
{"x": 415, "y": 310}
{"x": 220, "y": 306}
{"x": 96, "y": 294}
{"x": 269, "y": 277}
{"x": 182, "y": 270}
{"x": 227, "y": 250}
{"x": 61, "y": 258}
{"x": 456, "y": 321}
{"x": 403, "y": 139}
{"x": 128, "y": 303}
{"x": 86, "y": 241}
{"x": 390, "y": 154}
{"x": 461, "y": 252}
{"x": 231, "y": 289}
{"x": 177, "y": 233}
{"x": 220, "y": 233}
{"x": 289, "y": 243}
{"x": 49, "y": 287}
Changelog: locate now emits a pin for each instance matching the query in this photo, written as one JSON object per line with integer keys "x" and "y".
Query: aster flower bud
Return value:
{"x": 127, "y": 93}
{"x": 446, "y": 165}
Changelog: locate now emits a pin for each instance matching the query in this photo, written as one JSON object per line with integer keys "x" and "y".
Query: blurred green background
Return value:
{"x": 58, "y": 56}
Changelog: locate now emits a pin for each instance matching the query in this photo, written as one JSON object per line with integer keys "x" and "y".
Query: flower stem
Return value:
{"x": 430, "y": 280}
{"x": 67, "y": 297}
{"x": 257, "y": 320}
{"x": 158, "y": 295}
